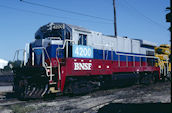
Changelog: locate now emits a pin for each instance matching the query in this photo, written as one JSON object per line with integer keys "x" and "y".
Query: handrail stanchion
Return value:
{"x": 32, "y": 58}
{"x": 126, "y": 61}
{"x": 118, "y": 60}
{"x": 133, "y": 61}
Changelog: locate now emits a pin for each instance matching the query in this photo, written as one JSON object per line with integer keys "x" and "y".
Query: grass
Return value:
{"x": 1, "y": 107}
{"x": 22, "y": 109}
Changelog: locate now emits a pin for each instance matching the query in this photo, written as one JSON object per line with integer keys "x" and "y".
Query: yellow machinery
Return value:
{"x": 163, "y": 53}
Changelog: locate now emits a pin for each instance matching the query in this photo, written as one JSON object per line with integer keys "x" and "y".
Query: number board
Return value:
{"x": 80, "y": 51}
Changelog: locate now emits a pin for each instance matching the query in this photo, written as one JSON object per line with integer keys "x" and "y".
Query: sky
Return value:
{"x": 138, "y": 19}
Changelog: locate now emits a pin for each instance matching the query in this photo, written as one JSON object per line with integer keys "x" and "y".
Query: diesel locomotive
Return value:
{"x": 66, "y": 58}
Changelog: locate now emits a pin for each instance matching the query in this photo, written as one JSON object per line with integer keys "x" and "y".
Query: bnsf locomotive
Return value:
{"x": 65, "y": 58}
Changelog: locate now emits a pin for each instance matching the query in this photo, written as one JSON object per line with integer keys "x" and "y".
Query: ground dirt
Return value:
{"x": 91, "y": 103}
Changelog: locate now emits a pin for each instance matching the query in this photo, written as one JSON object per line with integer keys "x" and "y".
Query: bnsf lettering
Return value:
{"x": 82, "y": 66}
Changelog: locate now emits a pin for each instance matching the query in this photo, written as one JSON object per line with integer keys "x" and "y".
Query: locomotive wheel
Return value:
{"x": 147, "y": 78}
{"x": 21, "y": 89}
{"x": 155, "y": 77}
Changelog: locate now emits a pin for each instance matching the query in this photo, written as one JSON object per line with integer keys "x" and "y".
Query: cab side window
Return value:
{"x": 82, "y": 39}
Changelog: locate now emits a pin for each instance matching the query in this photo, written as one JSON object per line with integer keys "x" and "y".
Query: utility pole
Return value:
{"x": 169, "y": 19}
{"x": 171, "y": 34}
{"x": 115, "y": 28}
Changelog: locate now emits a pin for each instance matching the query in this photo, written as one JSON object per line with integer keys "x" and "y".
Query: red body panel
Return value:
{"x": 99, "y": 67}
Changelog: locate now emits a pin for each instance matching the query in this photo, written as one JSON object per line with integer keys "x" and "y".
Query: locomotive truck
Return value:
{"x": 66, "y": 58}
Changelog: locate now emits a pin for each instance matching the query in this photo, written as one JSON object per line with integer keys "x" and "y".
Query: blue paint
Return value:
{"x": 52, "y": 51}
{"x": 98, "y": 54}
{"x": 95, "y": 53}
{"x": 38, "y": 57}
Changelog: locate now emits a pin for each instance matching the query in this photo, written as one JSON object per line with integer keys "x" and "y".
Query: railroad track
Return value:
{"x": 90, "y": 102}
{"x": 7, "y": 99}
{"x": 9, "y": 102}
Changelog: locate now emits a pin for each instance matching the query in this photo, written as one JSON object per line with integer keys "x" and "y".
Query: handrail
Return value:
{"x": 125, "y": 54}
{"x": 43, "y": 48}
{"x": 17, "y": 52}
{"x": 64, "y": 44}
{"x": 112, "y": 49}
{"x": 17, "y": 55}
{"x": 137, "y": 56}
{"x": 45, "y": 52}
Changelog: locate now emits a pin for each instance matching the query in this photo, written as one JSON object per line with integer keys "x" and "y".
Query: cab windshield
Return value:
{"x": 53, "y": 30}
{"x": 50, "y": 33}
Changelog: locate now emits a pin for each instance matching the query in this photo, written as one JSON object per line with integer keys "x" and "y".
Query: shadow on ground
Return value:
{"x": 136, "y": 108}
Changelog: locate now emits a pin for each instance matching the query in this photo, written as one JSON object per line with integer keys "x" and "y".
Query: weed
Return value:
{"x": 22, "y": 109}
